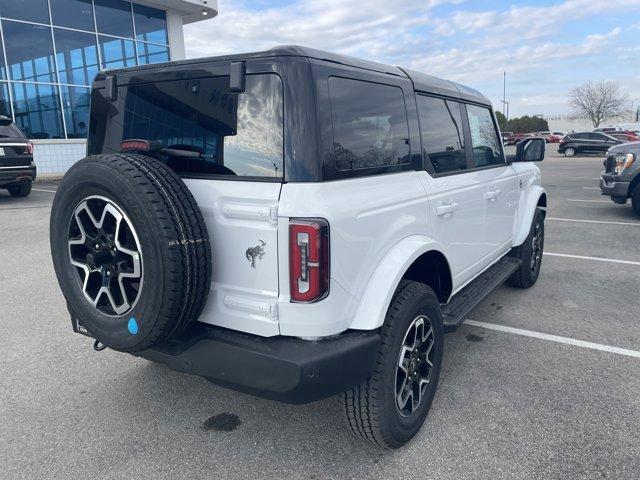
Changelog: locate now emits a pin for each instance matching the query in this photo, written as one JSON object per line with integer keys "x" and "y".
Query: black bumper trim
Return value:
{"x": 13, "y": 177}
{"x": 285, "y": 369}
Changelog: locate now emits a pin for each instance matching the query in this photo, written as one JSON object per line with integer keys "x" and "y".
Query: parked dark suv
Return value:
{"x": 17, "y": 169}
{"x": 586, "y": 142}
{"x": 621, "y": 177}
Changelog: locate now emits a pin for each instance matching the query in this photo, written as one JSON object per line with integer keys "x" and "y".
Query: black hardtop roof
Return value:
{"x": 422, "y": 82}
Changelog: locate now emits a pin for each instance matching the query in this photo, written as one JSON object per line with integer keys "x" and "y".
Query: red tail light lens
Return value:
{"x": 143, "y": 145}
{"x": 308, "y": 259}
{"x": 30, "y": 148}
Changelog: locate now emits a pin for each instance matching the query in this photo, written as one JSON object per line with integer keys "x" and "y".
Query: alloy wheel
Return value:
{"x": 415, "y": 365}
{"x": 105, "y": 251}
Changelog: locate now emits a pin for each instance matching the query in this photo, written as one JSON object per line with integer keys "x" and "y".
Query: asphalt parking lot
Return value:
{"x": 528, "y": 401}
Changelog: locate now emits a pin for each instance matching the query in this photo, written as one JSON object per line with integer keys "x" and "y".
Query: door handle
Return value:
{"x": 445, "y": 210}
{"x": 491, "y": 195}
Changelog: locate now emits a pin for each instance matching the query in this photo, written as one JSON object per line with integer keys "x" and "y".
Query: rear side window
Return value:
{"x": 206, "y": 130}
{"x": 8, "y": 129}
{"x": 370, "y": 127}
{"x": 442, "y": 134}
{"x": 484, "y": 137}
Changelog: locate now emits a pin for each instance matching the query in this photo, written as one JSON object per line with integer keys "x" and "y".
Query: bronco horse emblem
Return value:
{"x": 256, "y": 252}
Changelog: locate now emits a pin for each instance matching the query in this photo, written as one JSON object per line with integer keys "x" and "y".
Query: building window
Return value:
{"x": 151, "y": 24}
{"x": 37, "y": 110}
{"x": 81, "y": 17}
{"x": 76, "y": 110}
{"x": 28, "y": 10}
{"x": 77, "y": 57}
{"x": 117, "y": 52}
{"x": 29, "y": 52}
{"x": 150, "y": 53}
{"x": 54, "y": 49}
{"x": 113, "y": 17}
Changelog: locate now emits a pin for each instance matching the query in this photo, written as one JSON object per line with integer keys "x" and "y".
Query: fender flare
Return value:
{"x": 375, "y": 301}
{"x": 523, "y": 224}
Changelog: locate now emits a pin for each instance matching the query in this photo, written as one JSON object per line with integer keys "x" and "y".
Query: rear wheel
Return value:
{"x": 391, "y": 407}
{"x": 22, "y": 190}
{"x": 130, "y": 249}
{"x": 530, "y": 253}
{"x": 569, "y": 152}
{"x": 635, "y": 200}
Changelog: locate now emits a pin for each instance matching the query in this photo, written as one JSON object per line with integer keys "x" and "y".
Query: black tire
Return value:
{"x": 635, "y": 200}
{"x": 533, "y": 246}
{"x": 371, "y": 410}
{"x": 173, "y": 242}
{"x": 22, "y": 190}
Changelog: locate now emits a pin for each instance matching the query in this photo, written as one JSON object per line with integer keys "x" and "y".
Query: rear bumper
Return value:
{"x": 285, "y": 369}
{"x": 12, "y": 177}
{"x": 614, "y": 188}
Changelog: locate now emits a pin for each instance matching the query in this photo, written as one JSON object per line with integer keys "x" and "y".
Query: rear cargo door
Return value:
{"x": 228, "y": 149}
{"x": 14, "y": 151}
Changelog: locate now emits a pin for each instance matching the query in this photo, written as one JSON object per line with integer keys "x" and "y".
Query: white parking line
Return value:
{"x": 636, "y": 224}
{"x": 591, "y": 188}
{"x": 597, "y": 259}
{"x": 43, "y": 190}
{"x": 554, "y": 338}
{"x": 588, "y": 201}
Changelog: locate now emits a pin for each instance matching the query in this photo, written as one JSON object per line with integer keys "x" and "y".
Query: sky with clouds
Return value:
{"x": 546, "y": 47}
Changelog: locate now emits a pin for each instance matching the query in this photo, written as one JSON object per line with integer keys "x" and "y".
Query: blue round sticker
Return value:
{"x": 132, "y": 326}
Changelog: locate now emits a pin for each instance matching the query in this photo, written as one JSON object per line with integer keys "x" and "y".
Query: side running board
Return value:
{"x": 454, "y": 312}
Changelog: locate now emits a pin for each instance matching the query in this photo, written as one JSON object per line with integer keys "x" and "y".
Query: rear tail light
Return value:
{"x": 308, "y": 259}
{"x": 30, "y": 148}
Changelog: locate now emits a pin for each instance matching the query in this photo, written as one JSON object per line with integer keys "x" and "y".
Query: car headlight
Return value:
{"x": 623, "y": 161}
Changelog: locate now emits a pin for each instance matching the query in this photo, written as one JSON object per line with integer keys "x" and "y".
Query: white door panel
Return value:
{"x": 242, "y": 221}
{"x": 456, "y": 210}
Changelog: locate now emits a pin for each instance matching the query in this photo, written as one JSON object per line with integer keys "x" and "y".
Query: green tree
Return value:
{"x": 502, "y": 121}
{"x": 527, "y": 124}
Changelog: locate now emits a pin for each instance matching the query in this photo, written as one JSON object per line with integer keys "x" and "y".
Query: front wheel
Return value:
{"x": 390, "y": 407}
{"x": 569, "y": 152}
{"x": 22, "y": 190}
{"x": 530, "y": 253}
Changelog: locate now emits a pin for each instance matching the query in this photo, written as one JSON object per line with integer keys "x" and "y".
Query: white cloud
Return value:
{"x": 467, "y": 46}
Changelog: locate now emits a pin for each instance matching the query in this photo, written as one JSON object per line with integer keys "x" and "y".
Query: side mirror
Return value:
{"x": 529, "y": 150}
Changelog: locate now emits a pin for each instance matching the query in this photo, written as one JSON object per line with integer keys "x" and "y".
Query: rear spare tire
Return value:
{"x": 130, "y": 249}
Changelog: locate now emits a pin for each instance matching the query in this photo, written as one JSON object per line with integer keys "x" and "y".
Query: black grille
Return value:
{"x": 609, "y": 164}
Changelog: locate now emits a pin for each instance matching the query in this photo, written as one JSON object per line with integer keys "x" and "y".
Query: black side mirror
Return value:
{"x": 529, "y": 150}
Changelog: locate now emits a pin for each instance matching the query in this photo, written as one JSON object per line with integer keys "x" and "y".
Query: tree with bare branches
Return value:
{"x": 598, "y": 100}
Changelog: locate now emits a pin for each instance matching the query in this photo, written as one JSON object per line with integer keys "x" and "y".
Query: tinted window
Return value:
{"x": 30, "y": 10}
{"x": 227, "y": 134}
{"x": 77, "y": 56}
{"x": 442, "y": 134}
{"x": 114, "y": 17}
{"x": 82, "y": 17}
{"x": 484, "y": 137}
{"x": 29, "y": 52}
{"x": 9, "y": 130}
{"x": 597, "y": 136}
{"x": 578, "y": 136}
{"x": 370, "y": 126}
{"x": 5, "y": 107}
{"x": 151, "y": 24}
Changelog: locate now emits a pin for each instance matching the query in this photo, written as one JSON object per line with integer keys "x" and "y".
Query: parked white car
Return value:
{"x": 294, "y": 224}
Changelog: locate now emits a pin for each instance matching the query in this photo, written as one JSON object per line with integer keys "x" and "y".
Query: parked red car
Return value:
{"x": 516, "y": 137}
{"x": 625, "y": 135}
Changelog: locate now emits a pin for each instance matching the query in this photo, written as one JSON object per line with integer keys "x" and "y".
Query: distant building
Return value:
{"x": 568, "y": 123}
{"x": 50, "y": 51}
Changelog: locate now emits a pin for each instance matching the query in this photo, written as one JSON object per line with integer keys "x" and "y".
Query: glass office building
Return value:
{"x": 50, "y": 50}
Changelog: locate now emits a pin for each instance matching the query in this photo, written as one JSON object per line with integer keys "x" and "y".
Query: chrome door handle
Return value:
{"x": 446, "y": 209}
{"x": 491, "y": 195}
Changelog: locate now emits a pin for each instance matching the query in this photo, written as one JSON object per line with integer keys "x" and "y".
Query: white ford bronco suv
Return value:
{"x": 294, "y": 224}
